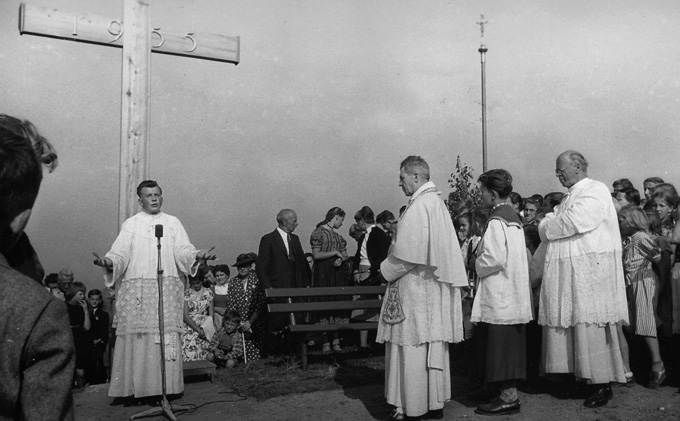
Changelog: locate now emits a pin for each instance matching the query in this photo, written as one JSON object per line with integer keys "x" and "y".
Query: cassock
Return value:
{"x": 421, "y": 310}
{"x": 583, "y": 291}
{"x": 136, "y": 366}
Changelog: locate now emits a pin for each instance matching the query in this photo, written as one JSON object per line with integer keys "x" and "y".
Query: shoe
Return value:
{"x": 498, "y": 407}
{"x": 433, "y": 414}
{"x": 326, "y": 349}
{"x": 630, "y": 381}
{"x": 395, "y": 416}
{"x": 656, "y": 378}
{"x": 337, "y": 348}
{"x": 599, "y": 398}
{"x": 121, "y": 400}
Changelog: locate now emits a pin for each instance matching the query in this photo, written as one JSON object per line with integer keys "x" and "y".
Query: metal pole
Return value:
{"x": 482, "y": 51}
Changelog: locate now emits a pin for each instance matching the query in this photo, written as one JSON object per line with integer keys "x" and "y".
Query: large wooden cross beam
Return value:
{"x": 138, "y": 38}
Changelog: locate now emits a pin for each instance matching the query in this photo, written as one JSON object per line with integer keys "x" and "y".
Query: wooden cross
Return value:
{"x": 138, "y": 38}
{"x": 481, "y": 24}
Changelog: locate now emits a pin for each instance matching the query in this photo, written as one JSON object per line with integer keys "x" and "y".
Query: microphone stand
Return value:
{"x": 165, "y": 408}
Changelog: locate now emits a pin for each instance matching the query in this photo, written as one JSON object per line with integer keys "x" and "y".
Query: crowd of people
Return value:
{"x": 583, "y": 284}
{"x": 563, "y": 283}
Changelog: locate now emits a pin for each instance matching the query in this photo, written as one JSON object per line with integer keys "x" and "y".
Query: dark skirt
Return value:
{"x": 505, "y": 350}
{"x": 84, "y": 347}
{"x": 326, "y": 274}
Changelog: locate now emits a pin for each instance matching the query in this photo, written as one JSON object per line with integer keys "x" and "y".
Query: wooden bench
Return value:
{"x": 199, "y": 368}
{"x": 291, "y": 295}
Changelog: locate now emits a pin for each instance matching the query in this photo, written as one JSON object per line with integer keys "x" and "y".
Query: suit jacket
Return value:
{"x": 275, "y": 270}
{"x": 99, "y": 330}
{"x": 377, "y": 247}
{"x": 37, "y": 353}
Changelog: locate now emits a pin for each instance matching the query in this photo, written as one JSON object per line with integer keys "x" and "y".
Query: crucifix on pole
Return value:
{"x": 482, "y": 52}
{"x": 139, "y": 39}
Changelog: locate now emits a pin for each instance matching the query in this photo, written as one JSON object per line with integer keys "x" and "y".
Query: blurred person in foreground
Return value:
{"x": 38, "y": 357}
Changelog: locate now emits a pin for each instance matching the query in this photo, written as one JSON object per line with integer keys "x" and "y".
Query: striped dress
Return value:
{"x": 642, "y": 283}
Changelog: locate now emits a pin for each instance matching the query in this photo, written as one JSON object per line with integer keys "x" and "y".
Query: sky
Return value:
{"x": 327, "y": 100}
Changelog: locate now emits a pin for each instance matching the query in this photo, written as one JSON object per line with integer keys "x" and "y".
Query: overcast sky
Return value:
{"x": 329, "y": 97}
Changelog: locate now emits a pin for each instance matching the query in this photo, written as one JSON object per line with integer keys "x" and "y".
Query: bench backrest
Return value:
{"x": 317, "y": 292}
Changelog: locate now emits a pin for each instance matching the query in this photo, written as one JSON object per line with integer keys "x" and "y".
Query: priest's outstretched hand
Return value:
{"x": 206, "y": 255}
{"x": 104, "y": 262}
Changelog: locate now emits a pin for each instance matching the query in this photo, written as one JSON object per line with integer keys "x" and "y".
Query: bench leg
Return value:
{"x": 303, "y": 355}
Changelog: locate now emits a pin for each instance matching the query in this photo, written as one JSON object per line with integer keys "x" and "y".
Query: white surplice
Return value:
{"x": 421, "y": 310}
{"x": 136, "y": 360}
{"x": 503, "y": 292}
{"x": 583, "y": 291}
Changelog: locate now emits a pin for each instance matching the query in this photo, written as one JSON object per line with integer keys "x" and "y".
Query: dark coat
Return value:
{"x": 275, "y": 270}
{"x": 377, "y": 246}
{"x": 37, "y": 356}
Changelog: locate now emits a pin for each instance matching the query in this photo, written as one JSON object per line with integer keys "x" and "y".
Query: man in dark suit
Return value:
{"x": 281, "y": 263}
{"x": 36, "y": 344}
{"x": 372, "y": 249}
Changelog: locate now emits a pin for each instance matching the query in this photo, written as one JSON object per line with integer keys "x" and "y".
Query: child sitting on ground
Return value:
{"x": 226, "y": 346}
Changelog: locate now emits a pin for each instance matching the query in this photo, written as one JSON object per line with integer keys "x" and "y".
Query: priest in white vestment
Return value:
{"x": 131, "y": 270}
{"x": 583, "y": 294}
{"x": 421, "y": 311}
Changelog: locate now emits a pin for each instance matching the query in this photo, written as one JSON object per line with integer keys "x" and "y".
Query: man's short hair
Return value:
{"x": 365, "y": 214}
{"x": 632, "y": 195}
{"x": 385, "y": 216}
{"x": 147, "y": 183}
{"x": 94, "y": 292}
{"x": 578, "y": 158}
{"x": 20, "y": 174}
{"x": 52, "y": 278}
{"x": 414, "y": 164}
{"x": 42, "y": 147}
{"x": 283, "y": 215}
{"x": 499, "y": 181}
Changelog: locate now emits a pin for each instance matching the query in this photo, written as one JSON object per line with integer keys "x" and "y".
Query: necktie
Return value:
{"x": 290, "y": 249}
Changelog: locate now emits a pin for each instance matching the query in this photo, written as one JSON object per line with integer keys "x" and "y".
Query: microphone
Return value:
{"x": 159, "y": 231}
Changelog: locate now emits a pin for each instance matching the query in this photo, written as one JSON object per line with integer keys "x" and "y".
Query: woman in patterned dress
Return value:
{"x": 198, "y": 320}
{"x": 246, "y": 296}
{"x": 330, "y": 253}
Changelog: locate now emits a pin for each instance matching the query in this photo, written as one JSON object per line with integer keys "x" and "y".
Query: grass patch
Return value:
{"x": 282, "y": 375}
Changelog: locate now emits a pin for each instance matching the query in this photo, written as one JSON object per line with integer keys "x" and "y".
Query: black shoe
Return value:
{"x": 498, "y": 407}
{"x": 121, "y": 400}
{"x": 599, "y": 398}
{"x": 134, "y": 402}
{"x": 433, "y": 414}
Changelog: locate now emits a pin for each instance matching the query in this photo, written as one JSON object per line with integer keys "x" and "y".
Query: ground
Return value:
{"x": 351, "y": 389}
